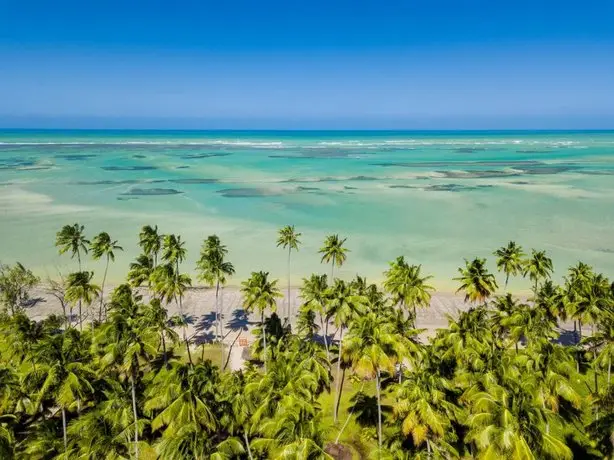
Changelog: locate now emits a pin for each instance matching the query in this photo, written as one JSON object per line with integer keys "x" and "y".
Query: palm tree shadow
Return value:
{"x": 567, "y": 338}
{"x": 205, "y": 322}
{"x": 203, "y": 332}
{"x": 29, "y": 303}
{"x": 239, "y": 321}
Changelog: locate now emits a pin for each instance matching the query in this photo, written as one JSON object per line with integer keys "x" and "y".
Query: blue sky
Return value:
{"x": 336, "y": 64}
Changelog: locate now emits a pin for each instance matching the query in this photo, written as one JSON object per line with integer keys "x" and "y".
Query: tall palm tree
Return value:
{"x": 372, "y": 346}
{"x": 314, "y": 293}
{"x": 128, "y": 345}
{"x": 477, "y": 282}
{"x": 288, "y": 238}
{"x": 71, "y": 238}
{"x": 508, "y": 421}
{"x": 103, "y": 246}
{"x": 150, "y": 242}
{"x": 408, "y": 288}
{"x": 214, "y": 270}
{"x": 140, "y": 271}
{"x": 510, "y": 260}
{"x": 538, "y": 267}
{"x": 183, "y": 394}
{"x": 173, "y": 250}
{"x": 261, "y": 294}
{"x": 79, "y": 290}
{"x": 156, "y": 316}
{"x": 423, "y": 405}
{"x": 66, "y": 372}
{"x": 344, "y": 306}
{"x": 170, "y": 286}
{"x": 334, "y": 252}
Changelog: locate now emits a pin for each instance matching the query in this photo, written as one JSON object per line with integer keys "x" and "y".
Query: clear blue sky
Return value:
{"x": 430, "y": 64}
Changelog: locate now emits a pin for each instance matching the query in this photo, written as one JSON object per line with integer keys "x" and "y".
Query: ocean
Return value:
{"x": 434, "y": 197}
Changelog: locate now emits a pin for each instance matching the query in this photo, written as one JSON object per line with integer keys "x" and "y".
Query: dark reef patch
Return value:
{"x": 195, "y": 156}
{"x": 469, "y": 149}
{"x": 152, "y": 192}
{"x": 487, "y": 174}
{"x": 76, "y": 156}
{"x": 247, "y": 192}
{"x": 195, "y": 181}
{"x": 450, "y": 164}
{"x": 589, "y": 172}
{"x": 128, "y": 168}
{"x": 533, "y": 151}
{"x": 182, "y": 167}
{"x": 138, "y": 155}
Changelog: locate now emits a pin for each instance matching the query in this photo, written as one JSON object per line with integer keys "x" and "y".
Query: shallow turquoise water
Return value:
{"x": 435, "y": 197}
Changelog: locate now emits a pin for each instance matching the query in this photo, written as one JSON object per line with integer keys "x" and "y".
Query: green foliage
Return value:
{"x": 494, "y": 384}
{"x": 15, "y": 282}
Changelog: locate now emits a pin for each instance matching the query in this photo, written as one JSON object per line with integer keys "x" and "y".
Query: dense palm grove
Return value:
{"x": 115, "y": 377}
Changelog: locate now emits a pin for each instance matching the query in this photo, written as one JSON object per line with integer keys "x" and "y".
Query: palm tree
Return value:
{"x": 103, "y": 245}
{"x": 510, "y": 260}
{"x": 156, "y": 316}
{"x": 260, "y": 294}
{"x": 372, "y": 346}
{"x": 334, "y": 252}
{"x": 181, "y": 395}
{"x": 80, "y": 290}
{"x": 128, "y": 344}
{"x": 314, "y": 294}
{"x": 508, "y": 421}
{"x": 408, "y": 288}
{"x": 140, "y": 271}
{"x": 71, "y": 238}
{"x": 602, "y": 344}
{"x": 214, "y": 270}
{"x": 66, "y": 373}
{"x": 344, "y": 306}
{"x": 538, "y": 267}
{"x": 170, "y": 286}
{"x": 476, "y": 282}
{"x": 288, "y": 238}
{"x": 173, "y": 251}
{"x": 427, "y": 414}
{"x": 150, "y": 242}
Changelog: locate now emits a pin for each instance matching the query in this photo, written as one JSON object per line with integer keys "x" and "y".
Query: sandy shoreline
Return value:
{"x": 199, "y": 307}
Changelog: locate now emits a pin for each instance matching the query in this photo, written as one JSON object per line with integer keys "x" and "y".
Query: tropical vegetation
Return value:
{"x": 348, "y": 376}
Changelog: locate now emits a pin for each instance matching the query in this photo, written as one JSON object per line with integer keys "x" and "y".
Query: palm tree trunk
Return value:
{"x": 288, "y": 298}
{"x": 580, "y": 330}
{"x": 332, "y": 270}
{"x": 217, "y": 311}
{"x": 379, "y": 410}
{"x": 347, "y": 420}
{"x": 339, "y": 382}
{"x": 64, "y": 430}
{"x": 80, "y": 318}
{"x": 230, "y": 351}
{"x": 104, "y": 278}
{"x": 428, "y": 448}
{"x": 185, "y": 337}
{"x": 263, "y": 337}
{"x": 325, "y": 338}
{"x": 164, "y": 350}
{"x": 136, "y": 428}
{"x": 249, "y": 451}
{"x": 507, "y": 278}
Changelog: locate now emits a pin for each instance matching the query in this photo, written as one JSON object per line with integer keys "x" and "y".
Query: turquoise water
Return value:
{"x": 435, "y": 197}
